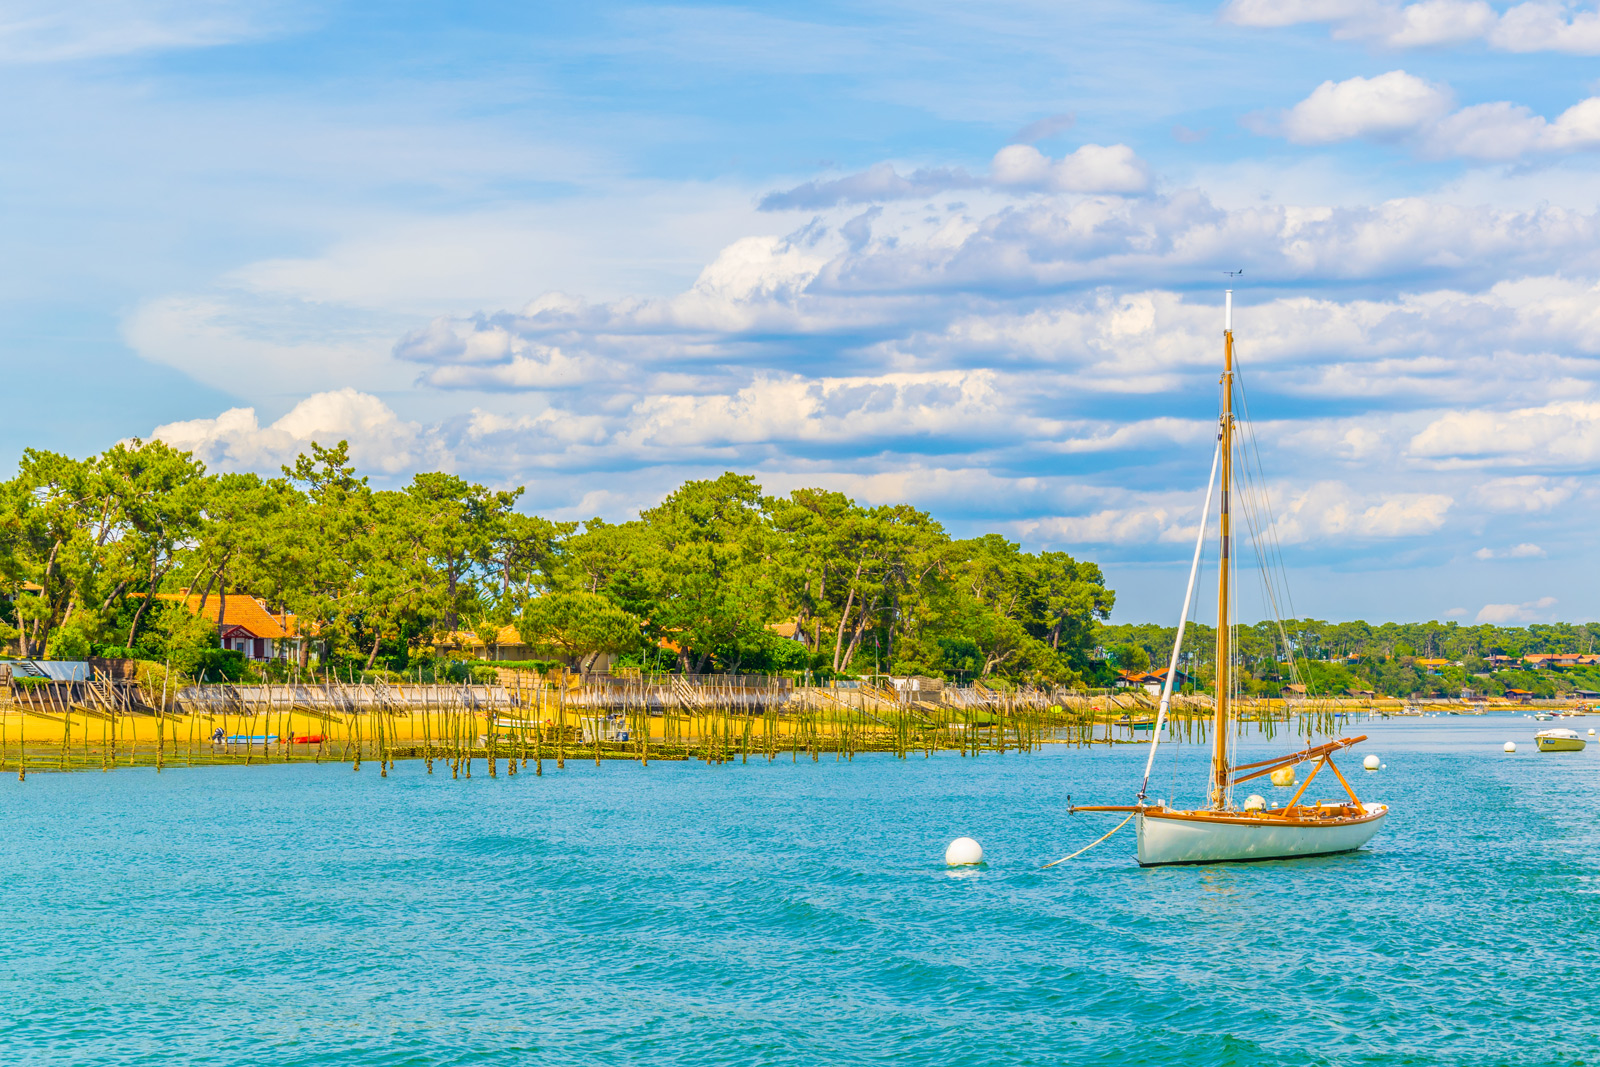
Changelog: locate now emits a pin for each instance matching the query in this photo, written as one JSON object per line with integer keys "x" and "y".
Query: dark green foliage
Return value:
{"x": 1332, "y": 658}
{"x": 94, "y": 553}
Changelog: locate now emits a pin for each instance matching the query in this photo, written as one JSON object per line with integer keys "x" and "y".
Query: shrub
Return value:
{"x": 67, "y": 643}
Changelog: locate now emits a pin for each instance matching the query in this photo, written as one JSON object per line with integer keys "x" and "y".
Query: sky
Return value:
{"x": 966, "y": 256}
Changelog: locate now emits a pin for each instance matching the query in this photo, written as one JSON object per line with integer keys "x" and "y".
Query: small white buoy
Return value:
{"x": 963, "y": 852}
{"x": 1254, "y": 802}
{"x": 1511, "y": 746}
{"x": 1384, "y": 767}
{"x": 1372, "y": 763}
{"x": 1591, "y": 731}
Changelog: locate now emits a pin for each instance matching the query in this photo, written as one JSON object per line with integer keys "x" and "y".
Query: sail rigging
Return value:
{"x": 1218, "y": 831}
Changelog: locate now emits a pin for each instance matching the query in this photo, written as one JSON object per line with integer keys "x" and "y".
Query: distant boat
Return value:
{"x": 1559, "y": 740}
{"x": 1223, "y": 831}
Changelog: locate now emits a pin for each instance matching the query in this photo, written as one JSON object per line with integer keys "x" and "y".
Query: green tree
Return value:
{"x": 580, "y": 625}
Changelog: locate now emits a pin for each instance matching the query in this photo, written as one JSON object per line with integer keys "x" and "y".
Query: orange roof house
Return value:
{"x": 508, "y": 644}
{"x": 788, "y": 629}
{"x": 244, "y": 623}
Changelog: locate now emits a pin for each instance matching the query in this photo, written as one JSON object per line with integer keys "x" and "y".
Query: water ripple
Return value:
{"x": 789, "y": 914}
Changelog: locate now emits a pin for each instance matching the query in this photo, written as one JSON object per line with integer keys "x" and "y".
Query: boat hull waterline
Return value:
{"x": 1171, "y": 838}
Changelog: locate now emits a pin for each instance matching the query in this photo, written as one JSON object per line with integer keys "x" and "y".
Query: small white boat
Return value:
{"x": 1330, "y": 826}
{"x": 1559, "y": 740}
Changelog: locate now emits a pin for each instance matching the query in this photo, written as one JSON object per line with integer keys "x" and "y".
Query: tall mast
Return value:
{"x": 1224, "y": 682}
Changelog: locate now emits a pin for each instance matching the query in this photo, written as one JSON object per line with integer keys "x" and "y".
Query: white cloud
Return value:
{"x": 46, "y": 32}
{"x": 1004, "y": 360}
{"x": 1117, "y": 526}
{"x": 1280, "y": 13}
{"x": 878, "y": 182}
{"x": 793, "y": 408}
{"x": 1563, "y": 433}
{"x": 1526, "y": 550}
{"x": 1400, "y": 106}
{"x": 1544, "y": 26}
{"x": 235, "y": 440}
{"x": 1530, "y": 26}
{"x": 1501, "y": 131}
{"x": 1524, "y": 493}
{"x": 1090, "y": 168}
{"x": 1333, "y": 509}
{"x": 1517, "y": 614}
{"x": 1436, "y": 22}
{"x": 238, "y": 344}
{"x": 1383, "y": 107}
{"x": 1327, "y": 512}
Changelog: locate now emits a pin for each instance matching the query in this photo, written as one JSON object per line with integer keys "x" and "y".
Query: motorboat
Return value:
{"x": 1559, "y": 740}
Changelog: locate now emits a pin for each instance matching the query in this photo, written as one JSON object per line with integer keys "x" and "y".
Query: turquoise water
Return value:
{"x": 792, "y": 914}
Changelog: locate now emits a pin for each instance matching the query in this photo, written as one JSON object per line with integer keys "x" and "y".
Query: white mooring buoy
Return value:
{"x": 1254, "y": 802}
{"x": 963, "y": 852}
{"x": 1511, "y": 746}
{"x": 1372, "y": 763}
{"x": 1591, "y": 731}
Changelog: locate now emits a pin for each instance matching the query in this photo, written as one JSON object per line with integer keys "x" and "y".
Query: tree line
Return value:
{"x": 383, "y": 579}
{"x": 1385, "y": 658}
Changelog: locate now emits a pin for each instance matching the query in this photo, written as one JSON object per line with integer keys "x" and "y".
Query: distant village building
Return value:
{"x": 244, "y": 623}
{"x": 788, "y": 629}
{"x": 1521, "y": 696}
{"x": 507, "y": 643}
{"x": 1545, "y": 660}
{"x": 1151, "y": 682}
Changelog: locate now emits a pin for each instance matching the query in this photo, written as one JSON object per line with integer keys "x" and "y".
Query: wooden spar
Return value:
{"x": 1301, "y": 757}
{"x": 1305, "y": 785}
{"x": 1224, "y": 678}
{"x": 1353, "y": 798}
{"x": 1269, "y": 765}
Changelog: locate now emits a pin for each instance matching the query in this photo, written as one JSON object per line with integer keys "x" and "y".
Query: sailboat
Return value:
{"x": 1223, "y": 831}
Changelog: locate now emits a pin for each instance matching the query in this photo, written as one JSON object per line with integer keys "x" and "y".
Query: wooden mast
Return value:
{"x": 1224, "y": 679}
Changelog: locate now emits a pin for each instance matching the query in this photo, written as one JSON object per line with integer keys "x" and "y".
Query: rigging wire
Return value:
{"x": 1268, "y": 547}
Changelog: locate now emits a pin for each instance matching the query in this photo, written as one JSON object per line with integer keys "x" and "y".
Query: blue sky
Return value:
{"x": 965, "y": 255}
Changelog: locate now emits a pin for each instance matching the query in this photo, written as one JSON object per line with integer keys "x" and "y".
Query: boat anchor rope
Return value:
{"x": 1091, "y": 844}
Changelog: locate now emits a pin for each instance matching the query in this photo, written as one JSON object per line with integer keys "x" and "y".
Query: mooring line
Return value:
{"x": 1091, "y": 844}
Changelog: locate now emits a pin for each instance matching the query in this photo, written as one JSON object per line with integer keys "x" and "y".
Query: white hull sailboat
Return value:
{"x": 1175, "y": 839}
{"x": 1223, "y": 831}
